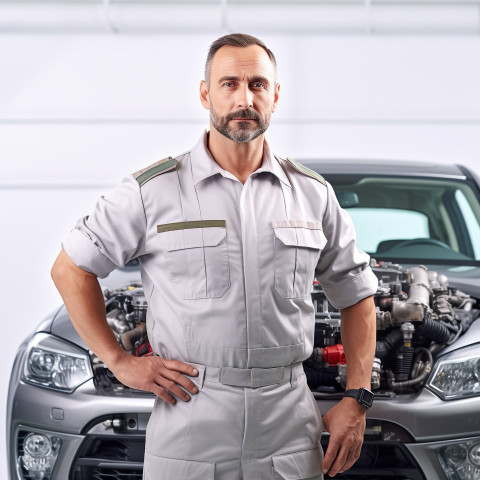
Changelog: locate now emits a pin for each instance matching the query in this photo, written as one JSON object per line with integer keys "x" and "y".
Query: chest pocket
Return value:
{"x": 197, "y": 257}
{"x": 297, "y": 245}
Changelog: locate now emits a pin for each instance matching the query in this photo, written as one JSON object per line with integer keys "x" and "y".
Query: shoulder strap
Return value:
{"x": 162, "y": 166}
{"x": 306, "y": 171}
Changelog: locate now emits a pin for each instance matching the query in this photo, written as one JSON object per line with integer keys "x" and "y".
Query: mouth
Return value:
{"x": 243, "y": 116}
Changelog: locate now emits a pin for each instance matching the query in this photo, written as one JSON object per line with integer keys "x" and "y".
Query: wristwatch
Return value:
{"x": 362, "y": 395}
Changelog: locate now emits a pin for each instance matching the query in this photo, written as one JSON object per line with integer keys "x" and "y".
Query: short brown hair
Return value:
{"x": 236, "y": 40}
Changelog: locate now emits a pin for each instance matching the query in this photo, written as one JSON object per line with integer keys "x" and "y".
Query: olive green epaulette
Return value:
{"x": 306, "y": 171}
{"x": 157, "y": 168}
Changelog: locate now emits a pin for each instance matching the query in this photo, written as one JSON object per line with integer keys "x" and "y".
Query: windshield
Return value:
{"x": 423, "y": 220}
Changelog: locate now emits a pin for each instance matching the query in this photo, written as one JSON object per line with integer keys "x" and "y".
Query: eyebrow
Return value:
{"x": 257, "y": 78}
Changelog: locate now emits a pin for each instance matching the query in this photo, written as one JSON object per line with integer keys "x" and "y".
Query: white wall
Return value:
{"x": 80, "y": 110}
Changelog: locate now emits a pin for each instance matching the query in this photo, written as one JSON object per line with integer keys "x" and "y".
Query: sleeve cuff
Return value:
{"x": 86, "y": 255}
{"x": 353, "y": 290}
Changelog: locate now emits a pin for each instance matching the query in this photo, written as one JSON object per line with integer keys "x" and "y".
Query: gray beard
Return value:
{"x": 244, "y": 133}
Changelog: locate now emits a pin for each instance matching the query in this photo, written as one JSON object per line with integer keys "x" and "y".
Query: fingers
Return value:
{"x": 329, "y": 458}
{"x": 173, "y": 389}
{"x": 167, "y": 380}
{"x": 163, "y": 394}
{"x": 171, "y": 372}
{"x": 339, "y": 458}
{"x": 352, "y": 457}
{"x": 180, "y": 367}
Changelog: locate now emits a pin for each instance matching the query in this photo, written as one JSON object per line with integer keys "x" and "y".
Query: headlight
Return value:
{"x": 461, "y": 460}
{"x": 56, "y": 364}
{"x": 456, "y": 375}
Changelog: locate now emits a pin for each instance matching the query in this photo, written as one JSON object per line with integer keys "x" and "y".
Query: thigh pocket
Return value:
{"x": 303, "y": 465}
{"x": 161, "y": 468}
{"x": 197, "y": 257}
{"x": 297, "y": 246}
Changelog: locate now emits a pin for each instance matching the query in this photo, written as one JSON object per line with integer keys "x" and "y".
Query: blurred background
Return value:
{"x": 91, "y": 90}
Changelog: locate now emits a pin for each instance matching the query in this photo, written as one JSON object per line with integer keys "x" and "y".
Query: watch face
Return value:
{"x": 365, "y": 397}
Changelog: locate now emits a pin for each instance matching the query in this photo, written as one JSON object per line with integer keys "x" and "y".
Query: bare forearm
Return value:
{"x": 358, "y": 339}
{"x": 84, "y": 302}
{"x": 346, "y": 420}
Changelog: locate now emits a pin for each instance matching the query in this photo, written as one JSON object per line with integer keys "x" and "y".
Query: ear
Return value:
{"x": 204, "y": 97}
{"x": 275, "y": 97}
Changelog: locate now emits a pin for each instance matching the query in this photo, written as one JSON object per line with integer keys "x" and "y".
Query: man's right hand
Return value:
{"x": 158, "y": 375}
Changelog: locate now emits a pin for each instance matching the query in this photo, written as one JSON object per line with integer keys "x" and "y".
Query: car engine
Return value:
{"x": 126, "y": 310}
{"x": 417, "y": 314}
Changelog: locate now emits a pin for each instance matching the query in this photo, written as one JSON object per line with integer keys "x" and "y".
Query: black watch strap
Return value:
{"x": 362, "y": 395}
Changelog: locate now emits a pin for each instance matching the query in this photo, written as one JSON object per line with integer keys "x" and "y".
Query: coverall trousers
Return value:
{"x": 234, "y": 432}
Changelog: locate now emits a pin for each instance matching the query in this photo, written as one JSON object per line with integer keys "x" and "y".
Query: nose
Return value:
{"x": 244, "y": 97}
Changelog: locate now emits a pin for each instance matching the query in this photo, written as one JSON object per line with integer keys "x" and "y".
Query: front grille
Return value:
{"x": 115, "y": 474}
{"x": 20, "y": 440}
{"x": 378, "y": 461}
{"x": 106, "y": 458}
{"x": 117, "y": 452}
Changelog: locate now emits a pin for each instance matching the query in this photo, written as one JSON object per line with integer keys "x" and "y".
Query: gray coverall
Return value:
{"x": 227, "y": 270}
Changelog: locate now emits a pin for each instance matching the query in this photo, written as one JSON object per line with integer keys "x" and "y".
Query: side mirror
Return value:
{"x": 347, "y": 199}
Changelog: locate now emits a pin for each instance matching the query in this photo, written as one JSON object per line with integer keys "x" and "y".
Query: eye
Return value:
{"x": 228, "y": 84}
{"x": 258, "y": 85}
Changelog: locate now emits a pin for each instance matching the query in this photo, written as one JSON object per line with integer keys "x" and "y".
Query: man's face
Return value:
{"x": 242, "y": 94}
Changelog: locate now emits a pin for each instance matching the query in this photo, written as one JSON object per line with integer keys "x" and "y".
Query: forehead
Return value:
{"x": 240, "y": 61}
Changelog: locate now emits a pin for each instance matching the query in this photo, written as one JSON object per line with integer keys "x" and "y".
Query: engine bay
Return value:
{"x": 417, "y": 314}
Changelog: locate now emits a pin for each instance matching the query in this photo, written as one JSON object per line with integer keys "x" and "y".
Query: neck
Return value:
{"x": 240, "y": 159}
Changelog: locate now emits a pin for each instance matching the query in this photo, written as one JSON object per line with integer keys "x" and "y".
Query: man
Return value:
{"x": 229, "y": 238}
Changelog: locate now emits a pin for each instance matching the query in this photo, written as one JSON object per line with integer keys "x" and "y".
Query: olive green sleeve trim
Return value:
{"x": 168, "y": 227}
{"x": 306, "y": 171}
{"x": 162, "y": 166}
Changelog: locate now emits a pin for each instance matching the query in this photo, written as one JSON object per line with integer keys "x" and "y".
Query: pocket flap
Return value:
{"x": 192, "y": 238}
{"x": 303, "y": 465}
{"x": 175, "y": 469}
{"x": 301, "y": 237}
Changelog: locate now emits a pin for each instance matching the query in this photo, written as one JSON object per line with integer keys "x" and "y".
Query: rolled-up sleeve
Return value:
{"x": 343, "y": 270}
{"x": 113, "y": 234}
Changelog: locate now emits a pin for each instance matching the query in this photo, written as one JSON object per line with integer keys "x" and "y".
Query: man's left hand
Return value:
{"x": 346, "y": 424}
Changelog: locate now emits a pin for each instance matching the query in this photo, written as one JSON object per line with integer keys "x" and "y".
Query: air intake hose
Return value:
{"x": 434, "y": 331}
{"x": 389, "y": 344}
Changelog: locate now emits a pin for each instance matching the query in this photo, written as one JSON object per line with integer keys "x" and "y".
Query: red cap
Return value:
{"x": 333, "y": 354}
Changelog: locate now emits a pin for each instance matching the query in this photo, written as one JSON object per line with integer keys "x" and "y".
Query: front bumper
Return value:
{"x": 104, "y": 435}
{"x": 404, "y": 434}
{"x": 77, "y": 419}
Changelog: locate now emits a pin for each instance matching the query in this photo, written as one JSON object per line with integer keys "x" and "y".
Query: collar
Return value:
{"x": 271, "y": 164}
{"x": 204, "y": 166}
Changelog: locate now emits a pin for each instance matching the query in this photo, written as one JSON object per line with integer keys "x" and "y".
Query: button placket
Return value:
{"x": 250, "y": 267}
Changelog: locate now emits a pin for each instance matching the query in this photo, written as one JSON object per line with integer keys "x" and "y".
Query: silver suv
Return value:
{"x": 68, "y": 418}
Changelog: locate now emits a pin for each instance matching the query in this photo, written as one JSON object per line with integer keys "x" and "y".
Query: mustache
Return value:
{"x": 245, "y": 113}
